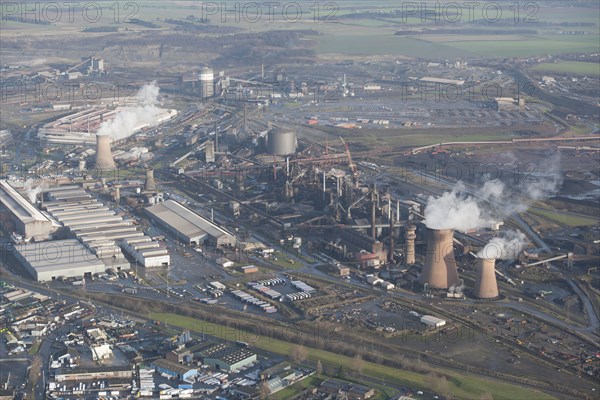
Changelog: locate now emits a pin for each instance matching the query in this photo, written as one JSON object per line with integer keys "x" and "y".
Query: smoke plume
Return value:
{"x": 464, "y": 209}
{"x": 454, "y": 210}
{"x": 506, "y": 247}
{"x": 543, "y": 180}
{"x": 33, "y": 190}
{"x": 124, "y": 123}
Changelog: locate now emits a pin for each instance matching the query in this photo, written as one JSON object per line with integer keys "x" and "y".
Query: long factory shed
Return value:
{"x": 189, "y": 226}
{"x": 27, "y": 220}
{"x": 100, "y": 228}
{"x": 47, "y": 261}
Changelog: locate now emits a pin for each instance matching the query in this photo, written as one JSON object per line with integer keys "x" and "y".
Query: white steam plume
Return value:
{"x": 544, "y": 181}
{"x": 33, "y": 190}
{"x": 506, "y": 247}
{"x": 124, "y": 123}
{"x": 454, "y": 210}
{"x": 461, "y": 211}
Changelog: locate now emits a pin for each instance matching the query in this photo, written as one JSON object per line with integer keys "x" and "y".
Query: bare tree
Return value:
{"x": 358, "y": 364}
{"x": 264, "y": 392}
{"x": 298, "y": 353}
{"x": 439, "y": 384}
{"x": 319, "y": 368}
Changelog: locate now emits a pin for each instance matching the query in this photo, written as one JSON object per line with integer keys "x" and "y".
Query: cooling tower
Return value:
{"x": 150, "y": 185}
{"x": 104, "y": 158}
{"x": 485, "y": 283}
{"x": 410, "y": 237}
{"x": 439, "y": 270}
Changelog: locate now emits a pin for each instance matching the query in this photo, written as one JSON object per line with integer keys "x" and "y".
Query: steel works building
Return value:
{"x": 46, "y": 261}
{"x": 27, "y": 220}
{"x": 188, "y": 226}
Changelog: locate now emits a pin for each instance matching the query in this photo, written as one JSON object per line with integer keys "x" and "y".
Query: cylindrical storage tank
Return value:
{"x": 440, "y": 270}
{"x": 207, "y": 82}
{"x": 486, "y": 286}
{"x": 282, "y": 142}
{"x": 206, "y": 74}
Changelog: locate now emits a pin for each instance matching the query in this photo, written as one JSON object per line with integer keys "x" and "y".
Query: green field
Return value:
{"x": 296, "y": 388}
{"x": 534, "y": 46}
{"x": 382, "y": 44}
{"x": 426, "y": 136}
{"x": 365, "y": 36}
{"x": 461, "y": 386}
{"x": 430, "y": 137}
{"x": 570, "y": 67}
{"x": 564, "y": 219}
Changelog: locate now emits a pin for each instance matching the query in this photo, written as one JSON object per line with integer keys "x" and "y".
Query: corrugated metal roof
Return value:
{"x": 184, "y": 220}
{"x": 18, "y": 205}
{"x": 58, "y": 255}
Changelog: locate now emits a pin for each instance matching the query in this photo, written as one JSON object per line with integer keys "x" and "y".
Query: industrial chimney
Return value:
{"x": 104, "y": 159}
{"x": 150, "y": 185}
{"x": 485, "y": 283}
{"x": 209, "y": 151}
{"x": 410, "y": 237}
{"x": 117, "y": 192}
{"x": 439, "y": 271}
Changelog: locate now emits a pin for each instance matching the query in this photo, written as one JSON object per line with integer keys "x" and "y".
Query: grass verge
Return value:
{"x": 461, "y": 386}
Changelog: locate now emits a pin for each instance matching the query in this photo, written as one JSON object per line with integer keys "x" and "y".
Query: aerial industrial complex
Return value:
{"x": 248, "y": 214}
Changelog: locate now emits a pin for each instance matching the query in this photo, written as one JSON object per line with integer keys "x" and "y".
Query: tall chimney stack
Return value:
{"x": 373, "y": 215}
{"x": 410, "y": 237}
{"x": 486, "y": 286}
{"x": 150, "y": 185}
{"x": 104, "y": 158}
{"x": 391, "y": 249}
{"x": 440, "y": 270}
{"x": 117, "y": 192}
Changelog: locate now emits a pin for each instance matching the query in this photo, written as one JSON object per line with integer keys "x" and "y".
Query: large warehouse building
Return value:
{"x": 27, "y": 220}
{"x": 225, "y": 357}
{"x": 102, "y": 230}
{"x": 188, "y": 226}
{"x": 46, "y": 261}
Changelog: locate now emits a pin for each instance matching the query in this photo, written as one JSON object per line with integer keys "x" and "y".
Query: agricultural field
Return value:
{"x": 470, "y": 38}
{"x": 532, "y": 46}
{"x": 570, "y": 67}
{"x": 563, "y": 218}
{"x": 385, "y": 44}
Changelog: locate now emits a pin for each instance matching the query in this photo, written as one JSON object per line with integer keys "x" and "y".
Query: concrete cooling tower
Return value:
{"x": 485, "y": 283}
{"x": 104, "y": 158}
{"x": 439, "y": 270}
{"x": 150, "y": 185}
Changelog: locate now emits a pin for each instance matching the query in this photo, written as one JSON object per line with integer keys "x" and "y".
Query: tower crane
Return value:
{"x": 352, "y": 166}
